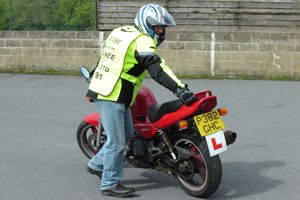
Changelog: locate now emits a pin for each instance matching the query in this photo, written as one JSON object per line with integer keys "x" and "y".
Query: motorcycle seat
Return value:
{"x": 156, "y": 111}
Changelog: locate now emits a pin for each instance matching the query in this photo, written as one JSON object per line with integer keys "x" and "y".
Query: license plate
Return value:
{"x": 209, "y": 123}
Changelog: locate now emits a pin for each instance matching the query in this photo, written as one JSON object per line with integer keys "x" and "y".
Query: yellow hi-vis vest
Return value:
{"x": 111, "y": 63}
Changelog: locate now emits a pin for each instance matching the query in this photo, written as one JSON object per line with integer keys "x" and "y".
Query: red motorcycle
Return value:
{"x": 183, "y": 141}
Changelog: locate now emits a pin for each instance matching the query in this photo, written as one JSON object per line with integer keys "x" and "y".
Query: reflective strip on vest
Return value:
{"x": 129, "y": 78}
{"x": 111, "y": 62}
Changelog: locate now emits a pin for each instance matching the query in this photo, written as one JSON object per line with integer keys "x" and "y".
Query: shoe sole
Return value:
{"x": 94, "y": 172}
{"x": 117, "y": 195}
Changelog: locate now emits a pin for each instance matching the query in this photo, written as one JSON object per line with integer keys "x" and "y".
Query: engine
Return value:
{"x": 137, "y": 154}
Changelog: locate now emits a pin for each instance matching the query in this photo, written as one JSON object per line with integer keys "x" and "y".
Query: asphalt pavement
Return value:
{"x": 40, "y": 159}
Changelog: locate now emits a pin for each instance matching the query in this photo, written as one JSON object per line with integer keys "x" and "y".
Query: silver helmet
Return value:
{"x": 151, "y": 15}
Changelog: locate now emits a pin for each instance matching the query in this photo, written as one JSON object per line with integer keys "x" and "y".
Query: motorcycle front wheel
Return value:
{"x": 204, "y": 172}
{"x": 87, "y": 139}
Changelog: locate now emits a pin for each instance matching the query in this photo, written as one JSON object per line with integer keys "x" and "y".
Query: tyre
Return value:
{"x": 204, "y": 172}
{"x": 87, "y": 139}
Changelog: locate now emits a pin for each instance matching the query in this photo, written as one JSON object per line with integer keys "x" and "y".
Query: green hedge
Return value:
{"x": 47, "y": 15}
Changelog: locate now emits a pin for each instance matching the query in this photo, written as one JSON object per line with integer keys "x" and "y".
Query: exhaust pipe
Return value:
{"x": 230, "y": 137}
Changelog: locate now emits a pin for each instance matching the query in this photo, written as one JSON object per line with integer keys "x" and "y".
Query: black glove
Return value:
{"x": 187, "y": 97}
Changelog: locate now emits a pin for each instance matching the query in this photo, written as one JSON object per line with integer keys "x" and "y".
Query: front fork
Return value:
{"x": 100, "y": 136}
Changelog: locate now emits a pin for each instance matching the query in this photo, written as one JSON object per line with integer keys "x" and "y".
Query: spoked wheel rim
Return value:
{"x": 89, "y": 140}
{"x": 199, "y": 179}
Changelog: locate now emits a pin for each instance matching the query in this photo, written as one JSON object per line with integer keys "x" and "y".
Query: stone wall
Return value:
{"x": 187, "y": 53}
{"x": 232, "y": 54}
{"x": 47, "y": 51}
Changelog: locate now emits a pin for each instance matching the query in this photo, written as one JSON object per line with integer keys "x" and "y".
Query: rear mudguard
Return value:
{"x": 92, "y": 119}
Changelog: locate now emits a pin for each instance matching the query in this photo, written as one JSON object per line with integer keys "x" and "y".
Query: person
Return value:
{"x": 128, "y": 53}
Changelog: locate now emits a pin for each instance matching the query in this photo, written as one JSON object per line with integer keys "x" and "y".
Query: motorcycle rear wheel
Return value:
{"x": 206, "y": 170}
{"x": 87, "y": 139}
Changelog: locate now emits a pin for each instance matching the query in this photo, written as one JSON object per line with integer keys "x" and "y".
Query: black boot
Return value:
{"x": 94, "y": 172}
{"x": 118, "y": 191}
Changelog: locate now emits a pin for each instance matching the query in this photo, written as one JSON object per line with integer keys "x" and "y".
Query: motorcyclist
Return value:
{"x": 129, "y": 52}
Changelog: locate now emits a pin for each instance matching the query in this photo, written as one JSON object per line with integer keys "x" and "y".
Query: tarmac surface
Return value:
{"x": 40, "y": 159}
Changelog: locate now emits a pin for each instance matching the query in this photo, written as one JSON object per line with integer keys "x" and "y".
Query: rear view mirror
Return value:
{"x": 85, "y": 72}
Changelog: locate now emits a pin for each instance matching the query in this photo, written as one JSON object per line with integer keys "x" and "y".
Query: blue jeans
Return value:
{"x": 118, "y": 127}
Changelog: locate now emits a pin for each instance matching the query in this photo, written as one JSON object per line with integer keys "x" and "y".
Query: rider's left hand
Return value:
{"x": 186, "y": 96}
{"x": 89, "y": 99}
